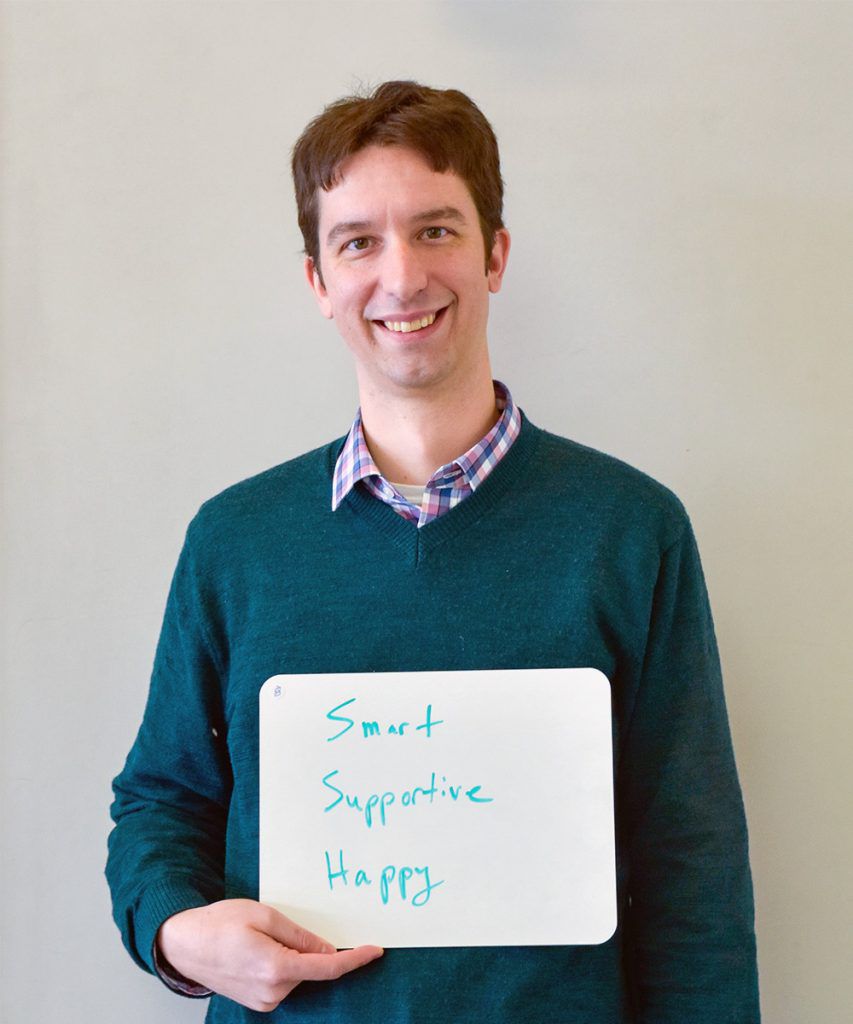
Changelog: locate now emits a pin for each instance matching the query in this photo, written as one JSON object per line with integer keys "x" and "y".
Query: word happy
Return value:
{"x": 407, "y": 881}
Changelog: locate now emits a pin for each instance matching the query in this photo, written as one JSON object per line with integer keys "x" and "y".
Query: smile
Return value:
{"x": 409, "y": 325}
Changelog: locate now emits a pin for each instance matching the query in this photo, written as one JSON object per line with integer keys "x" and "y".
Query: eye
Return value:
{"x": 357, "y": 244}
{"x": 435, "y": 233}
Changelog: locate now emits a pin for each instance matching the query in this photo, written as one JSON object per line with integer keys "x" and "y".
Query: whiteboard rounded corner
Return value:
{"x": 600, "y": 677}
{"x": 608, "y": 929}
{"x": 269, "y": 685}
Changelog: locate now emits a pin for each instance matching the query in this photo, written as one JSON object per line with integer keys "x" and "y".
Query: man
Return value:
{"x": 445, "y": 532}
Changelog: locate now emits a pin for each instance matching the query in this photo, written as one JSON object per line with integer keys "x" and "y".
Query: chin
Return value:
{"x": 415, "y": 378}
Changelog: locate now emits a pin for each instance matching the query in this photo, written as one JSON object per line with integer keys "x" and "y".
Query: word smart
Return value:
{"x": 371, "y": 727}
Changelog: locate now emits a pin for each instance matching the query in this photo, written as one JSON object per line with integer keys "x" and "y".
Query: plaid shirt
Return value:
{"x": 448, "y": 485}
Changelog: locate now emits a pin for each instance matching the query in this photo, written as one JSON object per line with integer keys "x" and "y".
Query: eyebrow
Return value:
{"x": 347, "y": 227}
{"x": 356, "y": 227}
{"x": 440, "y": 213}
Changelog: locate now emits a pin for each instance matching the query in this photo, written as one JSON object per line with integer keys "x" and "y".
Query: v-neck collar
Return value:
{"x": 419, "y": 542}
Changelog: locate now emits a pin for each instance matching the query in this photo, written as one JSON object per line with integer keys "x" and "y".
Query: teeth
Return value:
{"x": 410, "y": 325}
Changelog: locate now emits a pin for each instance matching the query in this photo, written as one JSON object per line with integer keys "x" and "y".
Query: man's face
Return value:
{"x": 404, "y": 272}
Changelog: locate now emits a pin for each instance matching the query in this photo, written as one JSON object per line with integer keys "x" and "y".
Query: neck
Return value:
{"x": 410, "y": 436}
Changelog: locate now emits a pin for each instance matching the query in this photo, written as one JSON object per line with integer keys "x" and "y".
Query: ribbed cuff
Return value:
{"x": 161, "y": 900}
{"x": 175, "y": 981}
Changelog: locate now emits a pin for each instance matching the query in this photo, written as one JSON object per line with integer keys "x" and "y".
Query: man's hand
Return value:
{"x": 252, "y": 953}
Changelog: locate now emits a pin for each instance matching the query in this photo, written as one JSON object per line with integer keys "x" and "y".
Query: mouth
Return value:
{"x": 417, "y": 323}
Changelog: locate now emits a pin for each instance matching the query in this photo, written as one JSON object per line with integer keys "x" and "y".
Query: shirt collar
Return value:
{"x": 356, "y": 463}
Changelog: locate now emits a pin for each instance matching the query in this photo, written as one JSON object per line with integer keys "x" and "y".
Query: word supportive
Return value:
{"x": 407, "y": 878}
{"x": 373, "y": 806}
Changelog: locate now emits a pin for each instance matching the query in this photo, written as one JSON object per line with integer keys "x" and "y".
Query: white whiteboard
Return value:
{"x": 439, "y": 808}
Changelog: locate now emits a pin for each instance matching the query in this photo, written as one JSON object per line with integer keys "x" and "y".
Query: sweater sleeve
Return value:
{"x": 166, "y": 850}
{"x": 691, "y": 944}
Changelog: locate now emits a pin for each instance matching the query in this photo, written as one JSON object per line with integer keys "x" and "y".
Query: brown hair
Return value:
{"x": 443, "y": 125}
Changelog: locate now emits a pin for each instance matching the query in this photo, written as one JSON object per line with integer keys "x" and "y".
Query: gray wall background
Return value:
{"x": 680, "y": 192}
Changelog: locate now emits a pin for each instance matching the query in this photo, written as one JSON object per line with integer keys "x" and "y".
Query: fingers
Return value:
{"x": 316, "y": 959}
{"x": 293, "y": 935}
{"x": 252, "y": 953}
{"x": 329, "y": 966}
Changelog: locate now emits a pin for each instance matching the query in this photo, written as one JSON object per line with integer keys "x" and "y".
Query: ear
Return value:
{"x": 315, "y": 282}
{"x": 498, "y": 257}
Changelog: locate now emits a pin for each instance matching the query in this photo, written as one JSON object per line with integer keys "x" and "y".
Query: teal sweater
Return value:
{"x": 562, "y": 557}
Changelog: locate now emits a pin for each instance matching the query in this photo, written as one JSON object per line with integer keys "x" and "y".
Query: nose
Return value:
{"x": 403, "y": 271}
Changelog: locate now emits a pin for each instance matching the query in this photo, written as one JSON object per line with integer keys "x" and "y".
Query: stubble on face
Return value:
{"x": 402, "y": 246}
